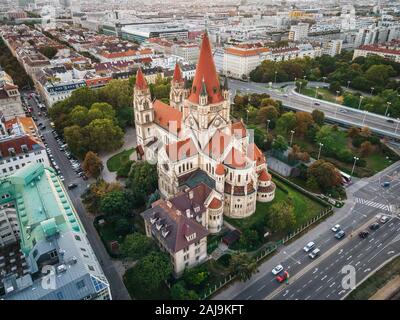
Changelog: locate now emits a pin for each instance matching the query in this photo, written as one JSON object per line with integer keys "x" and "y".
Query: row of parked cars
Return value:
{"x": 313, "y": 252}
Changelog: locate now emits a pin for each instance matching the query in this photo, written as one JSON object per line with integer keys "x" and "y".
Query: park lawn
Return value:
{"x": 377, "y": 162}
{"x": 116, "y": 161}
{"x": 375, "y": 282}
{"x": 304, "y": 207}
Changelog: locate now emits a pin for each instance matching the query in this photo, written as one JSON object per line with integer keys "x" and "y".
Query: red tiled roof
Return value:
{"x": 245, "y": 52}
{"x": 255, "y": 154}
{"x": 379, "y": 49}
{"x": 177, "y": 74}
{"x": 206, "y": 71}
{"x": 167, "y": 117}
{"x": 217, "y": 144}
{"x": 264, "y": 176}
{"x": 215, "y": 203}
{"x": 235, "y": 159}
{"x": 140, "y": 80}
{"x": 16, "y": 143}
{"x": 238, "y": 129}
{"x": 219, "y": 170}
{"x": 181, "y": 150}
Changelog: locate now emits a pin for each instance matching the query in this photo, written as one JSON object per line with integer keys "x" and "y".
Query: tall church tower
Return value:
{"x": 144, "y": 111}
{"x": 207, "y": 107}
{"x": 178, "y": 91}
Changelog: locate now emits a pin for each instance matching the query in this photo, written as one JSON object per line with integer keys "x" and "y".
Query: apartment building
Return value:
{"x": 298, "y": 32}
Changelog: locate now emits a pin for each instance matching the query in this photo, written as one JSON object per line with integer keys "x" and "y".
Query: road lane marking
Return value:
{"x": 330, "y": 279}
{"x": 379, "y": 245}
{"x": 348, "y": 258}
{"x": 333, "y": 283}
{"x": 259, "y": 289}
{"x": 357, "y": 263}
{"x": 366, "y": 270}
{"x": 319, "y": 288}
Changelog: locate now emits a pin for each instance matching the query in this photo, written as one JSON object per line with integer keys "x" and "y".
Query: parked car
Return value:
{"x": 309, "y": 246}
{"x": 385, "y": 184}
{"x": 336, "y": 228}
{"x": 282, "y": 276}
{"x": 374, "y": 226}
{"x": 72, "y": 186}
{"x": 316, "y": 103}
{"x": 390, "y": 120}
{"x": 339, "y": 235}
{"x": 314, "y": 253}
{"x": 277, "y": 269}
{"x": 363, "y": 234}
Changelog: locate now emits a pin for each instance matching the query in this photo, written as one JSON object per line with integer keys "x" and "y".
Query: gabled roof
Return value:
{"x": 264, "y": 176}
{"x": 217, "y": 144}
{"x": 181, "y": 150}
{"x": 167, "y": 116}
{"x": 255, "y": 154}
{"x": 215, "y": 203}
{"x": 140, "y": 80}
{"x": 238, "y": 129}
{"x": 17, "y": 143}
{"x": 235, "y": 159}
{"x": 177, "y": 74}
{"x": 206, "y": 70}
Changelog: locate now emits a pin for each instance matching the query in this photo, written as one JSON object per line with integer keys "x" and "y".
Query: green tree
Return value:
{"x": 104, "y": 135}
{"x": 76, "y": 138}
{"x": 195, "y": 276}
{"x": 243, "y": 266}
{"x": 48, "y": 51}
{"x": 101, "y": 110}
{"x": 179, "y": 292}
{"x": 267, "y": 113}
{"x": 325, "y": 173}
{"x": 97, "y": 191}
{"x": 280, "y": 144}
{"x": 79, "y": 116}
{"x": 137, "y": 245}
{"x": 143, "y": 175}
{"x": 335, "y": 86}
{"x": 318, "y": 116}
{"x": 312, "y": 184}
{"x": 150, "y": 272}
{"x": 115, "y": 203}
{"x": 281, "y": 216}
{"x": 286, "y": 122}
{"x": 303, "y": 121}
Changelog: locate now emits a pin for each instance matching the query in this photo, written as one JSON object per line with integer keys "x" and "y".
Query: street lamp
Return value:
{"x": 291, "y": 137}
{"x": 247, "y": 118}
{"x": 348, "y": 84}
{"x": 365, "y": 115}
{"x": 354, "y": 164}
{"x": 359, "y": 105}
{"x": 268, "y": 121}
{"x": 324, "y": 78}
{"x": 398, "y": 122}
{"x": 372, "y": 90}
{"x": 275, "y": 75}
{"x": 316, "y": 91}
{"x": 387, "y": 108}
{"x": 337, "y": 95}
{"x": 320, "y": 147}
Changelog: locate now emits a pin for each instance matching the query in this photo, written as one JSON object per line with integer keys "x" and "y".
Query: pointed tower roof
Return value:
{"x": 206, "y": 70}
{"x": 177, "y": 74}
{"x": 140, "y": 80}
{"x": 226, "y": 87}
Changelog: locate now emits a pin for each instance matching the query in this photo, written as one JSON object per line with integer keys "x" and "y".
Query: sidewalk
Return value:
{"x": 129, "y": 142}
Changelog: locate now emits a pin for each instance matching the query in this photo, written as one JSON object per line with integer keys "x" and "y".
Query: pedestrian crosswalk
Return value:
{"x": 370, "y": 203}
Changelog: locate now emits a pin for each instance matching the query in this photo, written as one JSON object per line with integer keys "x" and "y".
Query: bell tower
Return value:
{"x": 143, "y": 109}
{"x": 178, "y": 91}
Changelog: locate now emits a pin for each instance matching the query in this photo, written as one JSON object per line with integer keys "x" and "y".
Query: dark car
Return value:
{"x": 363, "y": 234}
{"x": 390, "y": 120}
{"x": 340, "y": 234}
{"x": 374, "y": 226}
{"x": 72, "y": 186}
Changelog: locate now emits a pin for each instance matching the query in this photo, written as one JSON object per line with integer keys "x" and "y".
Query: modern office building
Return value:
{"x": 48, "y": 256}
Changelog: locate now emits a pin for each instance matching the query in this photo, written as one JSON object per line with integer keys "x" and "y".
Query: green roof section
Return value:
{"x": 43, "y": 206}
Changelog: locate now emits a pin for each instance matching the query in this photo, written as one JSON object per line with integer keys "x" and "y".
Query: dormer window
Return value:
{"x": 11, "y": 151}
{"x": 24, "y": 148}
{"x": 191, "y": 237}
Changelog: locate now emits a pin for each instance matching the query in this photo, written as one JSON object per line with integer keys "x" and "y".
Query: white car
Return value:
{"x": 336, "y": 228}
{"x": 384, "y": 219}
{"x": 277, "y": 269}
{"x": 309, "y": 246}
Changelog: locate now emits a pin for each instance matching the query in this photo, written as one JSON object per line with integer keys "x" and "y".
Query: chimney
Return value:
{"x": 169, "y": 204}
{"x": 191, "y": 194}
{"x": 188, "y": 213}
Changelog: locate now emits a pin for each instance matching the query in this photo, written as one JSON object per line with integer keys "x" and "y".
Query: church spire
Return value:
{"x": 177, "y": 74}
{"x": 206, "y": 70}
{"x": 141, "y": 82}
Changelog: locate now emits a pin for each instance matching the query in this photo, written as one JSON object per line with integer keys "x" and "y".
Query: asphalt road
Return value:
{"x": 321, "y": 278}
{"x": 334, "y": 112}
{"x": 118, "y": 290}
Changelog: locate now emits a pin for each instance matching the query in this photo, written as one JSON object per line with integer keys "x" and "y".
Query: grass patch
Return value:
{"x": 305, "y": 208}
{"x": 322, "y": 94}
{"x": 376, "y": 281}
{"x": 118, "y": 160}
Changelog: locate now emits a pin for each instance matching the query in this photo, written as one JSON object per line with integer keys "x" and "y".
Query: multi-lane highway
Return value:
{"x": 321, "y": 278}
{"x": 334, "y": 112}
{"x": 118, "y": 290}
